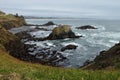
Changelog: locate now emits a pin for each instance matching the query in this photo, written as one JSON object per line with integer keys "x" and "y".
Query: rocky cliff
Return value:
{"x": 109, "y": 59}
{"x": 9, "y": 21}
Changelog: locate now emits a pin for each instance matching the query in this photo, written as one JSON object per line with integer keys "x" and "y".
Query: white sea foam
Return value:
{"x": 40, "y": 34}
{"x": 32, "y": 27}
{"x": 100, "y": 27}
{"x": 77, "y": 34}
{"x": 114, "y": 41}
{"x": 20, "y": 29}
{"x": 113, "y": 35}
{"x": 44, "y": 44}
{"x": 70, "y": 43}
{"x": 100, "y": 42}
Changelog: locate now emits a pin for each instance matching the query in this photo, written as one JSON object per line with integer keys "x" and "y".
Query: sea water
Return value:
{"x": 89, "y": 46}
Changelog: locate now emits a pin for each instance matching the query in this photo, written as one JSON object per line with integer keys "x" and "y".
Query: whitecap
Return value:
{"x": 44, "y": 44}
{"x": 114, "y": 41}
{"x": 113, "y": 35}
{"x": 100, "y": 27}
{"x": 77, "y": 34}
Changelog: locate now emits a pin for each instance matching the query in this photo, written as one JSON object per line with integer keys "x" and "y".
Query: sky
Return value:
{"x": 103, "y": 9}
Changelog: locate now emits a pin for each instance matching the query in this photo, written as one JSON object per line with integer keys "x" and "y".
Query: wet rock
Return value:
{"x": 43, "y": 56}
{"x": 62, "y": 32}
{"x": 50, "y": 57}
{"x": 86, "y": 27}
{"x": 49, "y": 23}
{"x": 87, "y": 62}
{"x": 69, "y": 47}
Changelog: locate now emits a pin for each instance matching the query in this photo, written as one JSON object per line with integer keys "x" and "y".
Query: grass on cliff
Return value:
{"x": 5, "y": 36}
{"x": 8, "y": 65}
{"x": 7, "y": 17}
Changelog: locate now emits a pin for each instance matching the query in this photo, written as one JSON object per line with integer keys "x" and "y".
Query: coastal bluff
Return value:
{"x": 9, "y": 21}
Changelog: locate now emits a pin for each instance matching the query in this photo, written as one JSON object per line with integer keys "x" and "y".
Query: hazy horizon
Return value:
{"x": 100, "y": 9}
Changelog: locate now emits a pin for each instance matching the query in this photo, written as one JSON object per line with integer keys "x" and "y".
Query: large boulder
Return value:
{"x": 62, "y": 32}
{"x": 86, "y": 27}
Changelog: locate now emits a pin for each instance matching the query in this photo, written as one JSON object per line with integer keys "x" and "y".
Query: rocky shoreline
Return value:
{"x": 46, "y": 56}
{"x": 13, "y": 44}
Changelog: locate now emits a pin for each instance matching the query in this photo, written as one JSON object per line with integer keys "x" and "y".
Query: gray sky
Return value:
{"x": 109, "y": 9}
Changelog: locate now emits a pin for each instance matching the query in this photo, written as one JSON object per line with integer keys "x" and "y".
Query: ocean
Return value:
{"x": 89, "y": 46}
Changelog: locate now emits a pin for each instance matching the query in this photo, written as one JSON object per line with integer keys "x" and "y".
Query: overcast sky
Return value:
{"x": 109, "y": 9}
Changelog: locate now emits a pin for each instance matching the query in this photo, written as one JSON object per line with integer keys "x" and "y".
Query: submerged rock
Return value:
{"x": 69, "y": 47}
{"x": 62, "y": 32}
{"x": 86, "y": 27}
{"x": 49, "y": 23}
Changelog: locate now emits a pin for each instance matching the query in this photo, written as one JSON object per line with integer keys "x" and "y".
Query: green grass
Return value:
{"x": 9, "y": 65}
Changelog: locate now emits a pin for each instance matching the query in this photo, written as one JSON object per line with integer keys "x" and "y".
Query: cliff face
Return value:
{"x": 8, "y": 22}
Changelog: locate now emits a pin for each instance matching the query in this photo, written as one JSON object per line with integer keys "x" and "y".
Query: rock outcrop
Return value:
{"x": 49, "y": 23}
{"x": 62, "y": 32}
{"x": 69, "y": 47}
{"x": 106, "y": 59}
{"x": 11, "y": 21}
{"x": 86, "y": 27}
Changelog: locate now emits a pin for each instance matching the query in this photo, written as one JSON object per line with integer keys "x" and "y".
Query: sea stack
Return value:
{"x": 62, "y": 32}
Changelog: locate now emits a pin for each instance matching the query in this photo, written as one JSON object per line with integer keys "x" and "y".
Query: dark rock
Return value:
{"x": 49, "y": 23}
{"x": 86, "y": 27}
{"x": 106, "y": 59}
{"x": 62, "y": 32}
{"x": 69, "y": 47}
{"x": 50, "y": 57}
{"x": 87, "y": 62}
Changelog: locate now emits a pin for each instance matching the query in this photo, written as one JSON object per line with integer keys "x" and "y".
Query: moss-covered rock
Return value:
{"x": 62, "y": 32}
